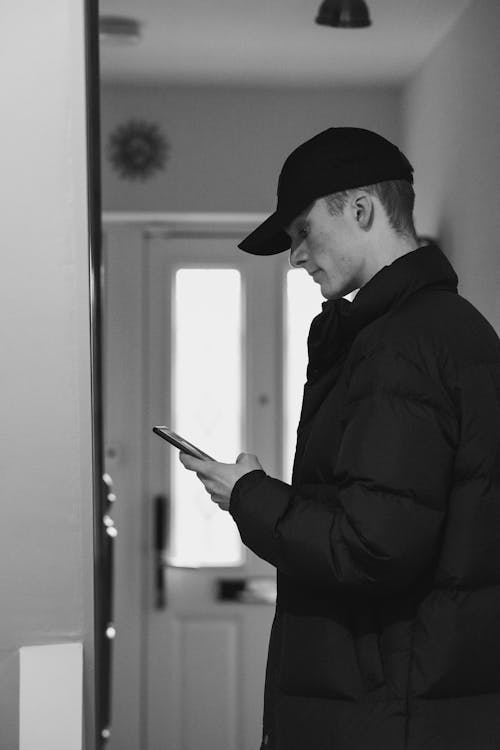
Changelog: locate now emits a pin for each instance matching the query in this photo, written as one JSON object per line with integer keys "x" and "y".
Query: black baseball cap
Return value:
{"x": 334, "y": 160}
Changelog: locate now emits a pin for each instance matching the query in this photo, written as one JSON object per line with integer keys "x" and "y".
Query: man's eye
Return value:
{"x": 303, "y": 232}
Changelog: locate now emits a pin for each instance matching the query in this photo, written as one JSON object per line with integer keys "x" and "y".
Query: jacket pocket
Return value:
{"x": 318, "y": 658}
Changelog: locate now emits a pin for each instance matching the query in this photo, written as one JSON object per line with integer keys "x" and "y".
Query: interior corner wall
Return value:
{"x": 227, "y": 145}
{"x": 46, "y": 531}
{"x": 451, "y": 111}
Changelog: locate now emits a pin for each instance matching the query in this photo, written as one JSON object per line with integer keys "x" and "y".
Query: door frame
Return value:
{"x": 185, "y": 221}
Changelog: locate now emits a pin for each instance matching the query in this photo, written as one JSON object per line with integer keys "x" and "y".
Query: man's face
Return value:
{"x": 329, "y": 248}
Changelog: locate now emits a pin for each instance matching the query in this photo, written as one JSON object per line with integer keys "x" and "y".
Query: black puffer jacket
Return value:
{"x": 387, "y": 543}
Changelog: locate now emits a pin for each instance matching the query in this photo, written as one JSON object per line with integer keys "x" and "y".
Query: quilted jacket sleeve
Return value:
{"x": 378, "y": 525}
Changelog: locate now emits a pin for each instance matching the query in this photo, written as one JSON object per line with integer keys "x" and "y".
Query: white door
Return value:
{"x": 212, "y": 351}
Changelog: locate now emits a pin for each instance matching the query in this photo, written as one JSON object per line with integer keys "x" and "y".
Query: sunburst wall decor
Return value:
{"x": 137, "y": 149}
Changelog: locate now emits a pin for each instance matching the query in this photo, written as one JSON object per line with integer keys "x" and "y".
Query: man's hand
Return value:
{"x": 219, "y": 479}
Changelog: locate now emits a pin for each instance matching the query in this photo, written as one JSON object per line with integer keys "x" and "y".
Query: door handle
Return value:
{"x": 256, "y": 590}
{"x": 161, "y": 534}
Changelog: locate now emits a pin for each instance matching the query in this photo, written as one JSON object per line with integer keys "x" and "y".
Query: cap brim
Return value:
{"x": 268, "y": 239}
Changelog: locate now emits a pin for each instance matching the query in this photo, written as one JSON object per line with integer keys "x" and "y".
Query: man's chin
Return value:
{"x": 332, "y": 295}
{"x": 329, "y": 292}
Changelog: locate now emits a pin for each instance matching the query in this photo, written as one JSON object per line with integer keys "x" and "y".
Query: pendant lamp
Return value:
{"x": 344, "y": 14}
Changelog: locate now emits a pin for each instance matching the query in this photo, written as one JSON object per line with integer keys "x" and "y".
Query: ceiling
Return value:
{"x": 273, "y": 42}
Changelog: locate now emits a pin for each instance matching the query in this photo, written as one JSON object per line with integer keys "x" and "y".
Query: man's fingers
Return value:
{"x": 203, "y": 479}
{"x": 213, "y": 490}
{"x": 219, "y": 478}
{"x": 191, "y": 463}
{"x": 221, "y": 502}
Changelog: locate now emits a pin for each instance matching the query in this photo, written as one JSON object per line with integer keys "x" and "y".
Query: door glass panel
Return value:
{"x": 206, "y": 408}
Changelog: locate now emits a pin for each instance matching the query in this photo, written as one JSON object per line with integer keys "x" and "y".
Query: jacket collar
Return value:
{"x": 340, "y": 320}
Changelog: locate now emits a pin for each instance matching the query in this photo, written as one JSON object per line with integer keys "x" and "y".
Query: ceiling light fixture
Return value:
{"x": 344, "y": 14}
{"x": 119, "y": 29}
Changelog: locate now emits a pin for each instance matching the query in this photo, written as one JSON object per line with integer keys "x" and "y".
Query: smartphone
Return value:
{"x": 179, "y": 442}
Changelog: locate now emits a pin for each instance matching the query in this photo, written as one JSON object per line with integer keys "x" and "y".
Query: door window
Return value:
{"x": 206, "y": 407}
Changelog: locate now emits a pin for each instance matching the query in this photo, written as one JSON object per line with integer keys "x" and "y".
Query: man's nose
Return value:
{"x": 297, "y": 255}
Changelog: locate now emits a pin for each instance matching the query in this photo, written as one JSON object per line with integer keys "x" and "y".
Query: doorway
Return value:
{"x": 198, "y": 337}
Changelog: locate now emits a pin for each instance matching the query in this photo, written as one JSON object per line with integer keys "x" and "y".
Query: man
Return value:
{"x": 387, "y": 542}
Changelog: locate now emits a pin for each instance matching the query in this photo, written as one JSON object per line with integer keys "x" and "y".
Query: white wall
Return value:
{"x": 46, "y": 544}
{"x": 228, "y": 145}
{"x": 452, "y": 127}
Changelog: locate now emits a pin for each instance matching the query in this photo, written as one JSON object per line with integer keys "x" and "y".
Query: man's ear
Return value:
{"x": 363, "y": 210}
